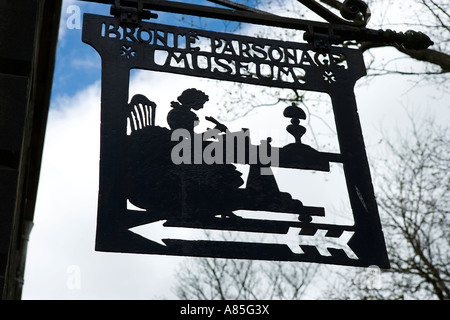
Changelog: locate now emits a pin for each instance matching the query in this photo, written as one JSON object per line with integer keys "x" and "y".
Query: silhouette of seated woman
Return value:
{"x": 207, "y": 188}
{"x": 191, "y": 191}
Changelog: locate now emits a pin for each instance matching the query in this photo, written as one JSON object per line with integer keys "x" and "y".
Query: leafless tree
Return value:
{"x": 413, "y": 191}
{"x": 231, "y": 279}
{"x": 413, "y": 183}
{"x": 428, "y": 16}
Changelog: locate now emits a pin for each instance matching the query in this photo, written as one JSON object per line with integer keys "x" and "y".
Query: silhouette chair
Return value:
{"x": 142, "y": 112}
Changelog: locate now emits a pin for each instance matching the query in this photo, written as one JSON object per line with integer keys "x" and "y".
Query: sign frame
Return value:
{"x": 123, "y": 47}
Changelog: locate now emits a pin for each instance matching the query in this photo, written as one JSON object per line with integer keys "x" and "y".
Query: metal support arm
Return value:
{"x": 342, "y": 32}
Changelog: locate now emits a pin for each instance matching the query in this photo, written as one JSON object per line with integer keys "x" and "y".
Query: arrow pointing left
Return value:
{"x": 157, "y": 232}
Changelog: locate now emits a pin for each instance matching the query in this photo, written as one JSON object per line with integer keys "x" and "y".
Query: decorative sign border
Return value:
{"x": 242, "y": 59}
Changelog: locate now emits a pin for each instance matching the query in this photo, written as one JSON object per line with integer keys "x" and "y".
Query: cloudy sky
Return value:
{"x": 61, "y": 262}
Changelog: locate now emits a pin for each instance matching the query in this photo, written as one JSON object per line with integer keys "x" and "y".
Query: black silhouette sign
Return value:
{"x": 186, "y": 183}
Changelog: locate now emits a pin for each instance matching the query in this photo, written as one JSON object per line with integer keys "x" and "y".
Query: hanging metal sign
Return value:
{"x": 187, "y": 181}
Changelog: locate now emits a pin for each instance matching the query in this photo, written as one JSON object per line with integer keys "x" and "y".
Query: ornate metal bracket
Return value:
{"x": 355, "y": 10}
{"x": 341, "y": 29}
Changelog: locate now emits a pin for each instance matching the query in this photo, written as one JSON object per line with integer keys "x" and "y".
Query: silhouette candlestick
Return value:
{"x": 295, "y": 113}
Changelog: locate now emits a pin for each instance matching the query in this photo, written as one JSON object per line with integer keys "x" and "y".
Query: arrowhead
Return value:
{"x": 153, "y": 231}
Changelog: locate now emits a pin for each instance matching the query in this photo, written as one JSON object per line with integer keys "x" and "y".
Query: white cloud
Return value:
{"x": 88, "y": 62}
{"x": 65, "y": 218}
{"x": 63, "y": 236}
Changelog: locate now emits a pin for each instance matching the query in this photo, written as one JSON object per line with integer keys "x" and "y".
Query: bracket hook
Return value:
{"x": 131, "y": 15}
